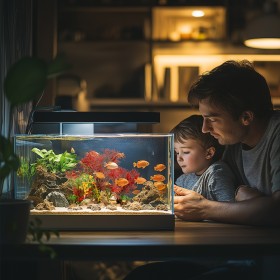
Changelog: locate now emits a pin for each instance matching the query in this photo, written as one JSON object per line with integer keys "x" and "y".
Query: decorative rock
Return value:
{"x": 111, "y": 207}
{"x": 46, "y": 205}
{"x": 94, "y": 207}
{"x": 75, "y": 207}
{"x": 58, "y": 199}
{"x": 86, "y": 201}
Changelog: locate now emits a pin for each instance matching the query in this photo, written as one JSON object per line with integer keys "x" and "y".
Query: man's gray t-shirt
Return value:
{"x": 258, "y": 167}
{"x": 216, "y": 183}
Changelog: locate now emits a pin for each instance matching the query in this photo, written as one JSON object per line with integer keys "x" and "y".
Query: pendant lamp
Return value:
{"x": 263, "y": 32}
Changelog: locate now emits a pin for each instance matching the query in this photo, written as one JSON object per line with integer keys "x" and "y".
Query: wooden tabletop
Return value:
{"x": 189, "y": 239}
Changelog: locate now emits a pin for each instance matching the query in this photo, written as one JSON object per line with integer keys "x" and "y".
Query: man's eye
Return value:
{"x": 211, "y": 120}
{"x": 186, "y": 153}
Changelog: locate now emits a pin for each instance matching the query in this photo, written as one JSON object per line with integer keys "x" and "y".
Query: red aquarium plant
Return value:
{"x": 106, "y": 176}
{"x": 123, "y": 173}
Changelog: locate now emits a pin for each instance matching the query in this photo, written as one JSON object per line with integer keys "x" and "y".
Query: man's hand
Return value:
{"x": 188, "y": 205}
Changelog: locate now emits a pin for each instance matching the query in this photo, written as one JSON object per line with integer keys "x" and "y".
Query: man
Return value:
{"x": 236, "y": 105}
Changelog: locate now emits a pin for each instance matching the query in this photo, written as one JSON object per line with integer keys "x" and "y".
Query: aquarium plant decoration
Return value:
{"x": 25, "y": 80}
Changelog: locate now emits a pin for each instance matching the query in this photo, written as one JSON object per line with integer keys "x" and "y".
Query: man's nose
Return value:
{"x": 205, "y": 127}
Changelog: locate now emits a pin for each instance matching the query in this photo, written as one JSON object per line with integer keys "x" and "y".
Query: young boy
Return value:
{"x": 198, "y": 155}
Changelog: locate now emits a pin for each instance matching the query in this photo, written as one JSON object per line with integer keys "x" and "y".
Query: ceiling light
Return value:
{"x": 263, "y": 32}
{"x": 197, "y": 13}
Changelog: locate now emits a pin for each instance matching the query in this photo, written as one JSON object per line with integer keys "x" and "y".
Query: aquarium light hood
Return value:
{"x": 87, "y": 123}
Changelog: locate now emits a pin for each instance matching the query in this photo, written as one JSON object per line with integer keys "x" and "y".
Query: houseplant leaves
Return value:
{"x": 25, "y": 80}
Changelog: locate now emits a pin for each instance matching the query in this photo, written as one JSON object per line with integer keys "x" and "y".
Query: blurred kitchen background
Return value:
{"x": 143, "y": 55}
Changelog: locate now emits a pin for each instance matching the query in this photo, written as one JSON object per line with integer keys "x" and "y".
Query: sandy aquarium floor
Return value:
{"x": 103, "y": 211}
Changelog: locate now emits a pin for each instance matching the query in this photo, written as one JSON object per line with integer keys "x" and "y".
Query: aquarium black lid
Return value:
{"x": 96, "y": 117}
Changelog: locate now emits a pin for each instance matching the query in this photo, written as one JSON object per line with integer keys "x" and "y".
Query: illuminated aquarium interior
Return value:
{"x": 102, "y": 181}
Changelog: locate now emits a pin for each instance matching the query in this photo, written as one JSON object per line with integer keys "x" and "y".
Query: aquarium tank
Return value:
{"x": 97, "y": 182}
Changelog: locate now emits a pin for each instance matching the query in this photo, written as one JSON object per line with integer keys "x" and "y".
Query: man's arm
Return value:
{"x": 191, "y": 206}
{"x": 244, "y": 192}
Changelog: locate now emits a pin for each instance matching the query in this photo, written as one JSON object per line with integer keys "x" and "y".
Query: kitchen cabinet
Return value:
{"x": 109, "y": 47}
{"x": 112, "y": 45}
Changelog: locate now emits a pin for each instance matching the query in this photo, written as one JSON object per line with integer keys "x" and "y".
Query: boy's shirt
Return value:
{"x": 216, "y": 183}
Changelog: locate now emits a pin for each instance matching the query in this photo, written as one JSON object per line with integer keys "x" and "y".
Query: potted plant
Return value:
{"x": 25, "y": 80}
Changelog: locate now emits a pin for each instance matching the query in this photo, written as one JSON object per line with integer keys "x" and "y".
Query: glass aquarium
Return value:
{"x": 97, "y": 182}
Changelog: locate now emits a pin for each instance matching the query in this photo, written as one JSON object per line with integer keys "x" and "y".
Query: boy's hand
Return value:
{"x": 188, "y": 205}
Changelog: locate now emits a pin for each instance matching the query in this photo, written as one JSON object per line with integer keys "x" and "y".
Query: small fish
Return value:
{"x": 160, "y": 186}
{"x": 94, "y": 153}
{"x": 158, "y": 178}
{"x": 140, "y": 180}
{"x": 121, "y": 182}
{"x": 111, "y": 165}
{"x": 136, "y": 191}
{"x": 72, "y": 150}
{"x": 99, "y": 175}
{"x": 141, "y": 164}
{"x": 159, "y": 167}
{"x": 120, "y": 155}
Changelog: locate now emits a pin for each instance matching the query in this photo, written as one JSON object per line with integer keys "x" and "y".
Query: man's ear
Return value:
{"x": 210, "y": 152}
{"x": 247, "y": 117}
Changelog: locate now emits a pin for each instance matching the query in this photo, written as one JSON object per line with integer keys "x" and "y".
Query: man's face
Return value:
{"x": 221, "y": 124}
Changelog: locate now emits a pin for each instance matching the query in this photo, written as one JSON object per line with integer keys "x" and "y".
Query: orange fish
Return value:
{"x": 160, "y": 186}
{"x": 121, "y": 182}
{"x": 159, "y": 167}
{"x": 140, "y": 180}
{"x": 136, "y": 191}
{"x": 158, "y": 178}
{"x": 141, "y": 164}
{"x": 94, "y": 153}
{"x": 111, "y": 165}
{"x": 99, "y": 175}
{"x": 120, "y": 155}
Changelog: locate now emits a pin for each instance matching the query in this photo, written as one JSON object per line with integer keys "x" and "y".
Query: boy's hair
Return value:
{"x": 191, "y": 128}
{"x": 235, "y": 87}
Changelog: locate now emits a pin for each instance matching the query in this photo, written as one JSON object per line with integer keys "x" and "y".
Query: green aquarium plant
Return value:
{"x": 26, "y": 170}
{"x": 55, "y": 163}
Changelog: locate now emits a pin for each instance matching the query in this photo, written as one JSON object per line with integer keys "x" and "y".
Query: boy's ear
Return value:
{"x": 210, "y": 152}
{"x": 247, "y": 117}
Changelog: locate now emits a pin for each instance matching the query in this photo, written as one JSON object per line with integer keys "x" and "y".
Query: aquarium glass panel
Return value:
{"x": 101, "y": 173}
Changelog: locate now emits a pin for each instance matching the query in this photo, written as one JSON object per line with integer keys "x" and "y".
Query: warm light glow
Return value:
{"x": 186, "y": 29}
{"x": 198, "y": 13}
{"x": 82, "y": 104}
{"x": 174, "y": 36}
{"x": 263, "y": 43}
{"x": 204, "y": 62}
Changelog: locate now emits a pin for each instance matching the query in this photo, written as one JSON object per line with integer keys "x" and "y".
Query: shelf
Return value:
{"x": 136, "y": 103}
{"x": 104, "y": 41}
{"x": 115, "y": 9}
{"x": 124, "y": 51}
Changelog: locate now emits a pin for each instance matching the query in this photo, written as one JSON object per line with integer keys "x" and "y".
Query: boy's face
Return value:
{"x": 221, "y": 124}
{"x": 191, "y": 156}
